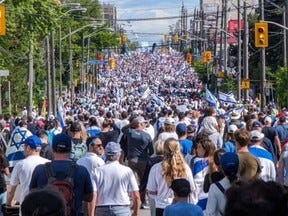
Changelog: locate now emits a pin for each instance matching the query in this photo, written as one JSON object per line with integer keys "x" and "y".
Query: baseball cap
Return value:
{"x": 62, "y": 143}
{"x": 75, "y": 127}
{"x": 232, "y": 128}
{"x": 181, "y": 187}
{"x": 229, "y": 162}
{"x": 256, "y": 135}
{"x": 281, "y": 114}
{"x": 257, "y": 124}
{"x": 140, "y": 119}
{"x": 112, "y": 148}
{"x": 33, "y": 141}
{"x": 169, "y": 121}
{"x": 181, "y": 127}
{"x": 268, "y": 119}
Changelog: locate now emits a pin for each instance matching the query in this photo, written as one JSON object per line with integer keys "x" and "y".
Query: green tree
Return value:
{"x": 28, "y": 22}
{"x": 281, "y": 86}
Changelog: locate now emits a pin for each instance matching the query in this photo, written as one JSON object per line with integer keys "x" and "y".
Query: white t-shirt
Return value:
{"x": 165, "y": 135}
{"x": 91, "y": 162}
{"x": 22, "y": 173}
{"x": 164, "y": 196}
{"x": 113, "y": 183}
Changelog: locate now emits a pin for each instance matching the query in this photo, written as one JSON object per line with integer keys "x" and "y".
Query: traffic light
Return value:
{"x": 2, "y": 21}
{"x": 208, "y": 55}
{"x": 261, "y": 34}
{"x": 166, "y": 37}
{"x": 123, "y": 38}
{"x": 112, "y": 63}
{"x": 176, "y": 39}
{"x": 189, "y": 58}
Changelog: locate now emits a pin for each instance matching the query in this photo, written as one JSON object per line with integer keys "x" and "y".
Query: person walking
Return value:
{"x": 114, "y": 182}
{"x": 61, "y": 165}
{"x": 92, "y": 161}
{"x": 216, "y": 196}
{"x": 181, "y": 206}
{"x": 22, "y": 172}
{"x": 139, "y": 148}
{"x": 163, "y": 173}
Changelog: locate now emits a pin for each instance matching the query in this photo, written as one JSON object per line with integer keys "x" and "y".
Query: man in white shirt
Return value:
{"x": 113, "y": 183}
{"x": 268, "y": 170}
{"x": 91, "y": 161}
{"x": 23, "y": 170}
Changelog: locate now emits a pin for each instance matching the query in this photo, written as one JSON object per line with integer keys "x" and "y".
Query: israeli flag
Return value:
{"x": 227, "y": 98}
{"x": 228, "y": 113}
{"x": 211, "y": 99}
{"x": 60, "y": 113}
{"x": 146, "y": 93}
{"x": 158, "y": 100}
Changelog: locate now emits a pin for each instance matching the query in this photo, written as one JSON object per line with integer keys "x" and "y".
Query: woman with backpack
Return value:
{"x": 216, "y": 197}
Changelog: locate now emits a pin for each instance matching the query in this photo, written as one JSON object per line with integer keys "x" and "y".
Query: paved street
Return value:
{"x": 145, "y": 212}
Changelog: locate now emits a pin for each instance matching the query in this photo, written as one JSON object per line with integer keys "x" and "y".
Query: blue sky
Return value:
{"x": 128, "y": 9}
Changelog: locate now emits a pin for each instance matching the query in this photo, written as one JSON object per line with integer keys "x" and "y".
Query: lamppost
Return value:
{"x": 78, "y": 8}
{"x": 84, "y": 37}
{"x": 69, "y": 35}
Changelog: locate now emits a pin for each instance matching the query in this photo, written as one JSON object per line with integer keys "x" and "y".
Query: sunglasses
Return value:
{"x": 98, "y": 145}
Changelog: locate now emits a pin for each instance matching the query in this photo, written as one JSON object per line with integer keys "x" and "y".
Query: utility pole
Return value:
{"x": 87, "y": 66}
{"x": 263, "y": 63}
{"x": 245, "y": 50}
{"x": 239, "y": 51}
{"x": 216, "y": 33}
{"x": 71, "y": 67}
{"x": 53, "y": 75}
{"x": 284, "y": 37}
{"x": 60, "y": 62}
{"x": 225, "y": 38}
{"x": 30, "y": 78}
{"x": 48, "y": 76}
{"x": 82, "y": 66}
{"x": 221, "y": 35}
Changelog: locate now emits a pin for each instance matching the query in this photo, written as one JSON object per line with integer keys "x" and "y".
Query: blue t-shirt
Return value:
{"x": 182, "y": 208}
{"x": 230, "y": 146}
{"x": 186, "y": 146}
{"x": 82, "y": 180}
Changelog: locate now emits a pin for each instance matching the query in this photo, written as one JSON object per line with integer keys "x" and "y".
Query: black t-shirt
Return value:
{"x": 4, "y": 165}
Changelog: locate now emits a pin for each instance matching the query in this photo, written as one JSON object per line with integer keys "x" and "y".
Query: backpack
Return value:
{"x": 64, "y": 186}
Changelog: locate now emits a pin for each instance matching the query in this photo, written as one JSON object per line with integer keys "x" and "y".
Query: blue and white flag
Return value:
{"x": 60, "y": 112}
{"x": 227, "y": 98}
{"x": 158, "y": 100}
{"x": 146, "y": 93}
{"x": 238, "y": 110}
{"x": 15, "y": 147}
{"x": 211, "y": 99}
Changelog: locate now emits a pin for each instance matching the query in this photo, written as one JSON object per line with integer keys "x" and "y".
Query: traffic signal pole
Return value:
{"x": 263, "y": 63}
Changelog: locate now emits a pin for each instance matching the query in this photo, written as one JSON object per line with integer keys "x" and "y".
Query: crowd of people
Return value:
{"x": 146, "y": 139}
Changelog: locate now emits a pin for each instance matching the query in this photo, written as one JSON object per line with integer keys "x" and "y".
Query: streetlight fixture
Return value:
{"x": 60, "y": 46}
{"x": 100, "y": 29}
{"x": 69, "y": 35}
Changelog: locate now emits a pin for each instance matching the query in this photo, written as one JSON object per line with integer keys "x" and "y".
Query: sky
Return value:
{"x": 129, "y": 9}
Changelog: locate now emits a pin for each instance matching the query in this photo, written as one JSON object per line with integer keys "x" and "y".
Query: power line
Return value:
{"x": 151, "y": 18}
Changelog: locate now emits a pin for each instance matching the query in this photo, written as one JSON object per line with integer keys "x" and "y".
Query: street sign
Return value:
{"x": 245, "y": 84}
{"x": 220, "y": 74}
{"x": 4, "y": 72}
